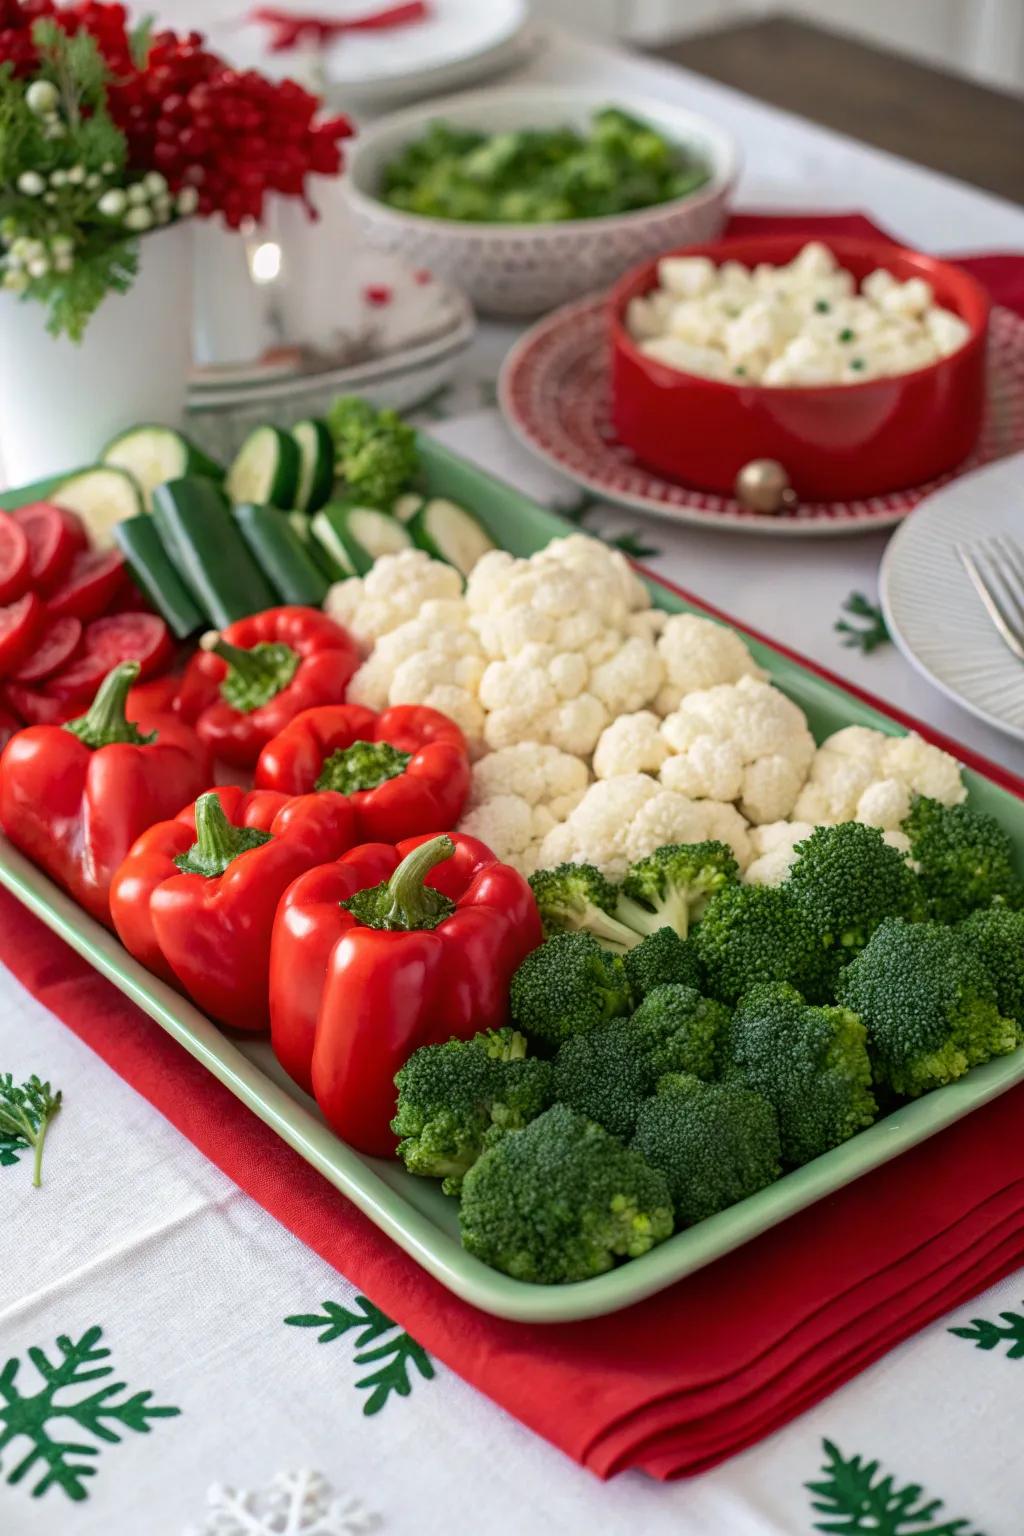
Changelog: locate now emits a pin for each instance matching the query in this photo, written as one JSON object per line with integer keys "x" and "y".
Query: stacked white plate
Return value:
{"x": 932, "y": 610}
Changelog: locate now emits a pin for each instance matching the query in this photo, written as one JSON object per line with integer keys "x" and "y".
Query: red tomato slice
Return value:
{"x": 141, "y": 637}
{"x": 54, "y": 537}
{"x": 20, "y": 622}
{"x": 90, "y": 586}
{"x": 36, "y": 708}
{"x": 56, "y": 644}
{"x": 15, "y": 570}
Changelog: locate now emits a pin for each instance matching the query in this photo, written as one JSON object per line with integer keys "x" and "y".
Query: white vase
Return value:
{"x": 61, "y": 401}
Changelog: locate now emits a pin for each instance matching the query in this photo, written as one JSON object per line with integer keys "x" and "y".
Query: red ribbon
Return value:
{"x": 289, "y": 29}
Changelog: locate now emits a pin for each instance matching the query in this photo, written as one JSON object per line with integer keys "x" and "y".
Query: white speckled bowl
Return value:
{"x": 523, "y": 269}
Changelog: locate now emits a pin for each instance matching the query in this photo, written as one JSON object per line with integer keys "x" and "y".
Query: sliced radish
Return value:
{"x": 56, "y": 644}
{"x": 90, "y": 586}
{"x": 54, "y": 538}
{"x": 37, "y": 708}
{"x": 15, "y": 565}
{"x": 20, "y": 622}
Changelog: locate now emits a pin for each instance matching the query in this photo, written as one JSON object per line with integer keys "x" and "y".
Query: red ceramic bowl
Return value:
{"x": 836, "y": 441}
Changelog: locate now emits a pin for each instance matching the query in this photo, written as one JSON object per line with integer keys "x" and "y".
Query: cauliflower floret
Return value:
{"x": 631, "y": 744}
{"x": 698, "y": 653}
{"x": 859, "y": 774}
{"x": 621, "y": 819}
{"x": 429, "y": 660}
{"x": 593, "y": 558}
{"x": 519, "y": 795}
{"x": 629, "y": 679}
{"x": 774, "y": 846}
{"x": 539, "y": 773}
{"x": 740, "y": 741}
{"x": 541, "y": 695}
{"x": 393, "y": 591}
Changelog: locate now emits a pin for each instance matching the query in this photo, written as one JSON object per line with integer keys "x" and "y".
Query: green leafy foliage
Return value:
{"x": 868, "y": 634}
{"x": 540, "y": 175}
{"x": 26, "y": 1111}
{"x": 854, "y": 1499}
{"x": 65, "y": 1463}
{"x": 988, "y": 1335}
{"x": 634, "y": 545}
{"x": 393, "y": 1358}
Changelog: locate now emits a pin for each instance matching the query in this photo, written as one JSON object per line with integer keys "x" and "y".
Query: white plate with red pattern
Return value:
{"x": 555, "y": 394}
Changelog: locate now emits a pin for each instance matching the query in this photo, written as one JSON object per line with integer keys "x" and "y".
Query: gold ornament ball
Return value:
{"x": 763, "y": 486}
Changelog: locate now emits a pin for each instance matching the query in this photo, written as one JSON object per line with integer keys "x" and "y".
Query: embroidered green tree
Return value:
{"x": 35, "y": 1417}
{"x": 393, "y": 1358}
{"x": 25, "y": 1115}
{"x": 854, "y": 1500}
{"x": 986, "y": 1335}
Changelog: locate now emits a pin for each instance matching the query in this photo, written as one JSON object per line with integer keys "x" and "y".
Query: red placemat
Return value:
{"x": 691, "y": 1376}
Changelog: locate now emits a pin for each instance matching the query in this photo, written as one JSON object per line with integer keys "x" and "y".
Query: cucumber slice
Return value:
{"x": 331, "y": 548}
{"x": 302, "y": 527}
{"x": 281, "y": 555}
{"x": 213, "y": 559}
{"x": 316, "y": 464}
{"x": 102, "y": 498}
{"x": 265, "y": 469}
{"x": 156, "y": 454}
{"x": 363, "y": 533}
{"x": 406, "y": 507}
{"x": 155, "y": 574}
{"x": 448, "y": 532}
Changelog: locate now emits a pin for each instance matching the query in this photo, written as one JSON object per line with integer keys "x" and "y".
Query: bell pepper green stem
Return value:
{"x": 218, "y": 842}
{"x": 363, "y": 765}
{"x": 404, "y": 902}
{"x": 254, "y": 676}
{"x": 106, "y": 720}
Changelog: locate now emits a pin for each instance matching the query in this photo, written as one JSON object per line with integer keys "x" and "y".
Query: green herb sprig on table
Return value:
{"x": 865, "y": 637}
{"x": 26, "y": 1112}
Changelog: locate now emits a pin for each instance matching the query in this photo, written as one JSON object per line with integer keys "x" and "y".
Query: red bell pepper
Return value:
{"x": 386, "y": 950}
{"x": 75, "y": 797}
{"x": 195, "y": 898}
{"x": 9, "y": 724}
{"x": 245, "y": 685}
{"x": 406, "y": 771}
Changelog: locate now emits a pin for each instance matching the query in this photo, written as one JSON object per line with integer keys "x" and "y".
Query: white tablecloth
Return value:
{"x": 191, "y": 1283}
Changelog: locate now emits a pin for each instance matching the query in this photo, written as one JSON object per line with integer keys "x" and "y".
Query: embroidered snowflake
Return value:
{"x": 296, "y": 1504}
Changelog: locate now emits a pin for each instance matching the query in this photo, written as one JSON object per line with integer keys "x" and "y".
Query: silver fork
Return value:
{"x": 995, "y": 566}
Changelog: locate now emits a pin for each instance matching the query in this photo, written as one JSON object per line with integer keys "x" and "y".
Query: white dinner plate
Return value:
{"x": 932, "y": 610}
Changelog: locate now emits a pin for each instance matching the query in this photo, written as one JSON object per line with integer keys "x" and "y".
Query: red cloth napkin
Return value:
{"x": 702, "y": 1370}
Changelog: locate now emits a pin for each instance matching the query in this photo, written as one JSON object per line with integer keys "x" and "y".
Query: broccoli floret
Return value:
{"x": 561, "y": 1200}
{"x": 567, "y": 986}
{"x": 755, "y": 933}
{"x": 964, "y": 857}
{"x": 674, "y": 884}
{"x": 661, "y": 958}
{"x": 996, "y": 936}
{"x": 847, "y": 878}
{"x": 927, "y": 1003}
{"x": 452, "y": 1098}
{"x": 375, "y": 451}
{"x": 680, "y": 1031}
{"x": 811, "y": 1063}
{"x": 605, "y": 1074}
{"x": 716, "y": 1143}
{"x": 574, "y": 898}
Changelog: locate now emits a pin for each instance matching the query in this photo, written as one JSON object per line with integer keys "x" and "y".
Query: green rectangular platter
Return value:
{"x": 412, "y": 1211}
